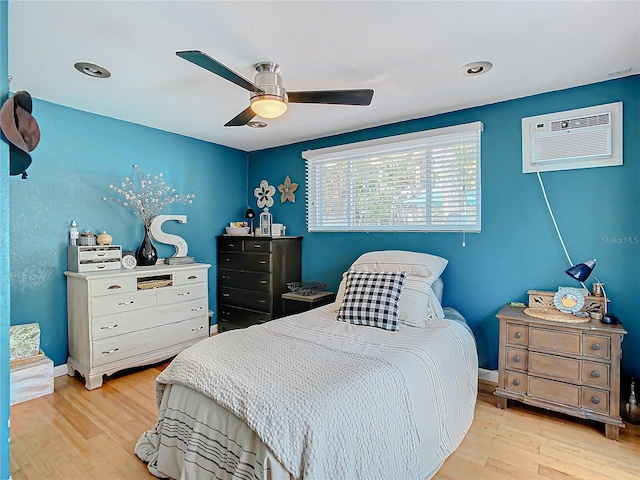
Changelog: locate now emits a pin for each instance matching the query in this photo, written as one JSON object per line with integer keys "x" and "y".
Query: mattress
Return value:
{"x": 198, "y": 438}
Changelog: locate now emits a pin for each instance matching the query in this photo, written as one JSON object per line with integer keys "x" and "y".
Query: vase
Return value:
{"x": 146, "y": 254}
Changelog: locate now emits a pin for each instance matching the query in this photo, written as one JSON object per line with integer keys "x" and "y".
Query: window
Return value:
{"x": 424, "y": 182}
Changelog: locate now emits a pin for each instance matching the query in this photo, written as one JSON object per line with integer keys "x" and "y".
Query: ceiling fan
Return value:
{"x": 269, "y": 98}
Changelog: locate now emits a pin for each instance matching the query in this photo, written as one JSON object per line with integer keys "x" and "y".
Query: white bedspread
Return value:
{"x": 415, "y": 380}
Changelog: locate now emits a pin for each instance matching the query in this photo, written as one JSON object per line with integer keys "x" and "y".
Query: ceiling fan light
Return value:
{"x": 268, "y": 106}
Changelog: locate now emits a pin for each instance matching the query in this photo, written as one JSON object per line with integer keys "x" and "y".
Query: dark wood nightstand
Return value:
{"x": 294, "y": 303}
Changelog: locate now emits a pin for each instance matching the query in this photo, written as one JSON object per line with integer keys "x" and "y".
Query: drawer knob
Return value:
{"x": 130, "y": 302}
{"x": 197, "y": 309}
{"x": 109, "y": 327}
{"x": 595, "y": 346}
{"x": 518, "y": 335}
{"x": 184, "y": 294}
{"x": 114, "y": 287}
{"x": 516, "y": 382}
{"x": 232, "y": 244}
{"x": 263, "y": 281}
{"x": 107, "y": 352}
{"x": 262, "y": 262}
{"x": 100, "y": 254}
{"x": 595, "y": 374}
{"x": 192, "y": 277}
{"x": 516, "y": 358}
{"x": 226, "y": 295}
{"x": 257, "y": 245}
{"x": 196, "y": 329}
{"x": 595, "y": 400}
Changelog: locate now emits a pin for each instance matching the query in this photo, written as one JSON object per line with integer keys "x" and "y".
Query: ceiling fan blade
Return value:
{"x": 334, "y": 97}
{"x": 205, "y": 61}
{"x": 241, "y": 119}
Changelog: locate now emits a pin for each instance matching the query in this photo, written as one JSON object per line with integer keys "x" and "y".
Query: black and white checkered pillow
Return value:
{"x": 371, "y": 298}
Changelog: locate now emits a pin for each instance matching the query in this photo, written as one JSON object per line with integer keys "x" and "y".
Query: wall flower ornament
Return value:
{"x": 287, "y": 190}
{"x": 264, "y": 193}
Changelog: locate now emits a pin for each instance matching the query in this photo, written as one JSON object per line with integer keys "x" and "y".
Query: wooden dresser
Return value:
{"x": 572, "y": 368}
{"x": 253, "y": 273}
{"x": 120, "y": 319}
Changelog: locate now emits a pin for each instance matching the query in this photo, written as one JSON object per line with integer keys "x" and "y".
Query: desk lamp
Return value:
{"x": 581, "y": 272}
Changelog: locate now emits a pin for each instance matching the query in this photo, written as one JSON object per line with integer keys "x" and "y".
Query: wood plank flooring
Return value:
{"x": 79, "y": 434}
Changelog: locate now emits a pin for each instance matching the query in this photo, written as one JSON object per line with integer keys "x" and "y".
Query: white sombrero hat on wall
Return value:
{"x": 21, "y": 130}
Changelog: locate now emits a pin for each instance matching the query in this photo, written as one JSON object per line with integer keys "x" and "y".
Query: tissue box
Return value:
{"x": 24, "y": 341}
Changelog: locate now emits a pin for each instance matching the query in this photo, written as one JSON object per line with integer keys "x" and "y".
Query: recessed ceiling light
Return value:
{"x": 92, "y": 70}
{"x": 256, "y": 124}
{"x": 475, "y": 68}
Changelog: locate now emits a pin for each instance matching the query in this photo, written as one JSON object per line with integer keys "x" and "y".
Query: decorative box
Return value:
{"x": 544, "y": 299}
{"x": 93, "y": 258}
{"x": 30, "y": 380}
{"x": 24, "y": 341}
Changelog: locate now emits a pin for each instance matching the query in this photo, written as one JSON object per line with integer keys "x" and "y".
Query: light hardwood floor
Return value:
{"x": 79, "y": 434}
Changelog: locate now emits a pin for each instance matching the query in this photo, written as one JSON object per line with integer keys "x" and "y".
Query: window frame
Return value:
{"x": 426, "y": 140}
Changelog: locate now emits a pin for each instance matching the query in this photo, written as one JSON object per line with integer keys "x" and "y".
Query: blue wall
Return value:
{"x": 5, "y": 293}
{"x": 518, "y": 249}
{"x": 79, "y": 156}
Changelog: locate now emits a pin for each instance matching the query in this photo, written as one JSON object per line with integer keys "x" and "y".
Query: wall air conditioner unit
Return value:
{"x": 582, "y": 138}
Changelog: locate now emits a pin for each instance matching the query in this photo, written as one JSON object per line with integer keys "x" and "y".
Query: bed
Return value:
{"x": 380, "y": 384}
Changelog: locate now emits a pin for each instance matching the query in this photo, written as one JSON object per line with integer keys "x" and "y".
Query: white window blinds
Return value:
{"x": 427, "y": 181}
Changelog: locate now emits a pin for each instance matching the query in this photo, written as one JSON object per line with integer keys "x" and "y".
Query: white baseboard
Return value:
{"x": 488, "y": 375}
{"x": 213, "y": 329}
{"x": 60, "y": 370}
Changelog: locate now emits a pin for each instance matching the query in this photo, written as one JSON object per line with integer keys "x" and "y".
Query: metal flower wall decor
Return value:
{"x": 287, "y": 190}
{"x": 147, "y": 197}
{"x": 264, "y": 193}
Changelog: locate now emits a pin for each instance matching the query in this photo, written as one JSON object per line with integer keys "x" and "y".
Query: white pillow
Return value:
{"x": 420, "y": 304}
{"x": 414, "y": 263}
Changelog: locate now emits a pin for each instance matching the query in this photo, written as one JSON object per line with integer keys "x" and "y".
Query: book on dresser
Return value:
{"x": 253, "y": 273}
{"x": 120, "y": 319}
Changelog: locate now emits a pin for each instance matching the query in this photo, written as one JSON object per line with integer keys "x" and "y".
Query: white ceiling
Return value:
{"x": 408, "y": 52}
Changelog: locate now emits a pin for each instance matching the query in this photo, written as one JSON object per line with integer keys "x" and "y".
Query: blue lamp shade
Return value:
{"x": 581, "y": 271}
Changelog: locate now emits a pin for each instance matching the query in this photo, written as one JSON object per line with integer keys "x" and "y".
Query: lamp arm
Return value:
{"x": 604, "y": 293}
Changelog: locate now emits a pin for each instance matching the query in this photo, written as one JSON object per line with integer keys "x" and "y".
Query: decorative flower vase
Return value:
{"x": 147, "y": 254}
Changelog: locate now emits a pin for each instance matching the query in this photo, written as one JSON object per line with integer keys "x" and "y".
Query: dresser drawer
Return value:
{"x": 560, "y": 368}
{"x": 239, "y": 317}
{"x": 596, "y": 374}
{"x": 516, "y": 358}
{"x": 596, "y": 346}
{"x": 121, "y": 347}
{"x": 124, "y": 302}
{"x": 551, "y": 390}
{"x": 230, "y": 243}
{"x": 260, "y": 282}
{"x": 554, "y": 340}
{"x": 99, "y": 254}
{"x": 189, "y": 277}
{"x": 255, "y": 262}
{"x": 121, "y": 323}
{"x": 181, "y": 294}
{"x": 113, "y": 286}
{"x": 516, "y": 381}
{"x": 256, "y": 245}
{"x": 230, "y": 318}
{"x": 517, "y": 334}
{"x": 260, "y": 301}
{"x": 595, "y": 400}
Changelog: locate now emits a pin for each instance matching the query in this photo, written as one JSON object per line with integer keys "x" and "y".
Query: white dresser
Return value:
{"x": 120, "y": 319}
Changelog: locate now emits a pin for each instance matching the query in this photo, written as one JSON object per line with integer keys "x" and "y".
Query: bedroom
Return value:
{"x": 516, "y": 251}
